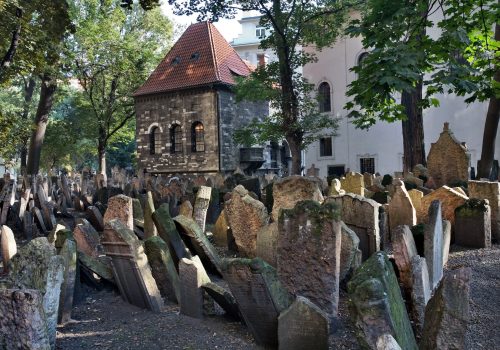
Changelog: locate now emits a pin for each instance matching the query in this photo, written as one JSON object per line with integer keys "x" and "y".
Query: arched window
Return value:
{"x": 154, "y": 141}
{"x": 197, "y": 137}
{"x": 362, "y": 57}
{"x": 324, "y": 97}
{"x": 176, "y": 139}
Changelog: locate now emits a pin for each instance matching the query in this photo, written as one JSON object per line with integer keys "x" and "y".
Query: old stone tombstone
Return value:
{"x": 312, "y": 171}
{"x": 491, "y": 192}
{"x": 433, "y": 243}
{"x": 447, "y": 313}
{"x": 260, "y": 296}
{"x": 9, "y": 246}
{"x": 23, "y": 324}
{"x": 473, "y": 224}
{"x": 120, "y": 207}
{"x": 448, "y": 161}
{"x": 87, "y": 239}
{"x": 69, "y": 254}
{"x": 163, "y": 268}
{"x": 130, "y": 266}
{"x": 308, "y": 262}
{"x": 192, "y": 276}
{"x": 37, "y": 215}
{"x": 224, "y": 298}
{"x": 336, "y": 188}
{"x": 362, "y": 216}
{"x": 267, "y": 244}
{"x": 377, "y": 305}
{"x": 368, "y": 180}
{"x": 246, "y": 217}
{"x": 404, "y": 249}
{"x": 149, "y": 208}
{"x": 252, "y": 185}
{"x": 292, "y": 189}
{"x": 303, "y": 326}
{"x": 401, "y": 210}
{"x": 353, "y": 183}
{"x": 201, "y": 206}
{"x": 94, "y": 216}
{"x": 350, "y": 255}
{"x": 387, "y": 342}
{"x": 416, "y": 199}
{"x": 446, "y": 240}
{"x": 220, "y": 230}
{"x": 420, "y": 292}
{"x": 186, "y": 209}
{"x": 450, "y": 200}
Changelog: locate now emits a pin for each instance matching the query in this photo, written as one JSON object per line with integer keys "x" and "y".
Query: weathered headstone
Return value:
{"x": 448, "y": 161}
{"x": 473, "y": 224}
{"x": 101, "y": 266}
{"x": 450, "y": 200}
{"x": 336, "y": 188}
{"x": 433, "y": 243}
{"x": 120, "y": 207}
{"x": 303, "y": 326}
{"x": 87, "y": 239}
{"x": 387, "y": 342}
{"x": 292, "y": 189}
{"x": 420, "y": 292}
{"x": 309, "y": 253}
{"x": 377, "y": 306}
{"x": 23, "y": 324}
{"x": 312, "y": 171}
{"x": 446, "y": 241}
{"x": 491, "y": 192}
{"x": 69, "y": 254}
{"x": 9, "y": 246}
{"x": 220, "y": 230}
{"x": 130, "y": 266}
{"x": 404, "y": 250}
{"x": 192, "y": 276}
{"x": 362, "y": 216}
{"x": 95, "y": 218}
{"x": 401, "y": 210}
{"x": 186, "y": 209}
{"x": 224, "y": 298}
{"x": 350, "y": 255}
{"x": 201, "y": 206}
{"x": 246, "y": 217}
{"x": 447, "y": 313}
{"x": 416, "y": 199}
{"x": 353, "y": 183}
{"x": 267, "y": 243}
{"x": 259, "y": 295}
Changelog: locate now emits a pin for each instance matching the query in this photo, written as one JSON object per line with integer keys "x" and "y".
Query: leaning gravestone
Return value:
{"x": 308, "y": 262}
{"x": 87, "y": 239}
{"x": 433, "y": 243}
{"x": 350, "y": 255}
{"x": 162, "y": 268}
{"x": 401, "y": 210}
{"x": 421, "y": 291}
{"x": 447, "y": 313}
{"x": 192, "y": 276}
{"x": 491, "y": 192}
{"x": 120, "y": 207}
{"x": 220, "y": 230}
{"x": 95, "y": 218}
{"x": 404, "y": 249}
{"x": 303, "y": 326}
{"x": 23, "y": 324}
{"x": 473, "y": 224}
{"x": 9, "y": 246}
{"x": 224, "y": 298}
{"x": 450, "y": 200}
{"x": 260, "y": 296}
{"x": 149, "y": 209}
{"x": 201, "y": 206}
{"x": 130, "y": 266}
{"x": 69, "y": 254}
{"x": 377, "y": 306}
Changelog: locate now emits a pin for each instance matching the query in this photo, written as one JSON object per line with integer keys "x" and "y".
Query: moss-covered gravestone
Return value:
{"x": 377, "y": 306}
{"x": 473, "y": 224}
{"x": 309, "y": 253}
{"x": 260, "y": 296}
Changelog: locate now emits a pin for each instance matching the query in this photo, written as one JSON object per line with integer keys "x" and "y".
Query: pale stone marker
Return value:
{"x": 303, "y": 326}
{"x": 120, "y": 207}
{"x": 192, "y": 276}
{"x": 404, "y": 250}
{"x": 68, "y": 253}
{"x": 201, "y": 206}
{"x": 267, "y": 243}
{"x": 450, "y": 200}
{"x": 149, "y": 225}
{"x": 401, "y": 210}
{"x": 387, "y": 342}
{"x": 336, "y": 188}
{"x": 186, "y": 209}
{"x": 9, "y": 246}
{"x": 491, "y": 192}
{"x": 416, "y": 200}
{"x": 95, "y": 218}
{"x": 353, "y": 183}
{"x": 350, "y": 255}
{"x": 87, "y": 239}
{"x": 473, "y": 224}
{"x": 433, "y": 243}
{"x": 421, "y": 290}
{"x": 446, "y": 241}
{"x": 308, "y": 261}
{"x": 220, "y": 230}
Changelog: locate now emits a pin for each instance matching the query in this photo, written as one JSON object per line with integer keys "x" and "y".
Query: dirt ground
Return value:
{"x": 103, "y": 319}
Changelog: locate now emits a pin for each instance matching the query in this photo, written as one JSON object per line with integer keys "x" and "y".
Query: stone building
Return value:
{"x": 187, "y": 112}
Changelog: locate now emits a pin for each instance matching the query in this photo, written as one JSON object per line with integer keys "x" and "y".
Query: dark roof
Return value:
{"x": 200, "y": 57}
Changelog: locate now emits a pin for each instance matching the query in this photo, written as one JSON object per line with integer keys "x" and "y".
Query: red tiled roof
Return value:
{"x": 216, "y": 62}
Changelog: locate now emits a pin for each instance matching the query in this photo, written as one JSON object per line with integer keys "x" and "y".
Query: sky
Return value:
{"x": 228, "y": 28}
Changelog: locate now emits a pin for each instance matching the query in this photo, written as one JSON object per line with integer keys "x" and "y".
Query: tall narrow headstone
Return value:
{"x": 192, "y": 276}
{"x": 94, "y": 216}
{"x": 309, "y": 253}
{"x": 120, "y": 207}
{"x": 149, "y": 225}
{"x": 404, "y": 250}
{"x": 87, "y": 239}
{"x": 401, "y": 210}
{"x": 9, "y": 246}
{"x": 491, "y": 192}
{"x": 421, "y": 290}
{"x": 433, "y": 243}
{"x": 267, "y": 244}
{"x": 201, "y": 206}
{"x": 68, "y": 253}
{"x": 473, "y": 224}
{"x": 350, "y": 255}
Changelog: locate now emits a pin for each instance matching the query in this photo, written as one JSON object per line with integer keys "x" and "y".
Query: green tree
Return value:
{"x": 291, "y": 24}
{"x": 112, "y": 53}
{"x": 405, "y": 59}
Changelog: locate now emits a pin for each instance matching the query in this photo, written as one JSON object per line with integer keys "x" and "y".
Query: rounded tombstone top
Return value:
{"x": 397, "y": 183}
{"x": 336, "y": 184}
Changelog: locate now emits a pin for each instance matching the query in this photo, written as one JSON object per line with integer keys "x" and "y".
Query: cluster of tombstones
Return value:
{"x": 299, "y": 241}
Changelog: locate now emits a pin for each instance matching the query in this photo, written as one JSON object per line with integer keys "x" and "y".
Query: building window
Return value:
{"x": 324, "y": 97}
{"x": 260, "y": 32}
{"x": 197, "y": 137}
{"x": 154, "y": 141}
{"x": 325, "y": 147}
{"x": 367, "y": 165}
{"x": 362, "y": 57}
{"x": 336, "y": 170}
{"x": 176, "y": 139}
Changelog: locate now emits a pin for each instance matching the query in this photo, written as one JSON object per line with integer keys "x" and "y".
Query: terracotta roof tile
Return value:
{"x": 200, "y": 57}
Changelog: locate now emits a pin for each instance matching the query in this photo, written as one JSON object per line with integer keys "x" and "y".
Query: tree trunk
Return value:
{"x": 9, "y": 55}
{"x": 47, "y": 91}
{"x": 485, "y": 164}
{"x": 296, "y": 153}
{"x": 101, "y": 150}
{"x": 413, "y": 129}
{"x": 29, "y": 88}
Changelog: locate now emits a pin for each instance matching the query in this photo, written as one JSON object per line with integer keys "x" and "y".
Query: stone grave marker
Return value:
{"x": 377, "y": 305}
{"x": 192, "y": 276}
{"x": 433, "y": 243}
{"x": 94, "y": 216}
{"x": 421, "y": 291}
{"x": 353, "y": 183}
{"x": 220, "y": 230}
{"x": 446, "y": 240}
{"x": 312, "y": 171}
{"x": 350, "y": 255}
{"x": 447, "y": 313}
{"x": 201, "y": 206}
{"x": 9, "y": 246}
{"x": 120, "y": 207}
{"x": 260, "y": 296}
{"x": 149, "y": 208}
{"x": 473, "y": 224}
{"x": 387, "y": 342}
{"x": 404, "y": 249}
{"x": 186, "y": 209}
{"x": 450, "y": 200}
{"x": 37, "y": 215}
{"x": 267, "y": 244}
{"x": 416, "y": 200}
{"x": 303, "y": 326}
{"x": 68, "y": 253}
{"x": 309, "y": 253}
{"x": 87, "y": 239}
{"x": 246, "y": 217}
{"x": 224, "y": 298}
{"x": 401, "y": 210}
{"x": 336, "y": 188}
{"x": 491, "y": 192}
{"x": 130, "y": 266}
